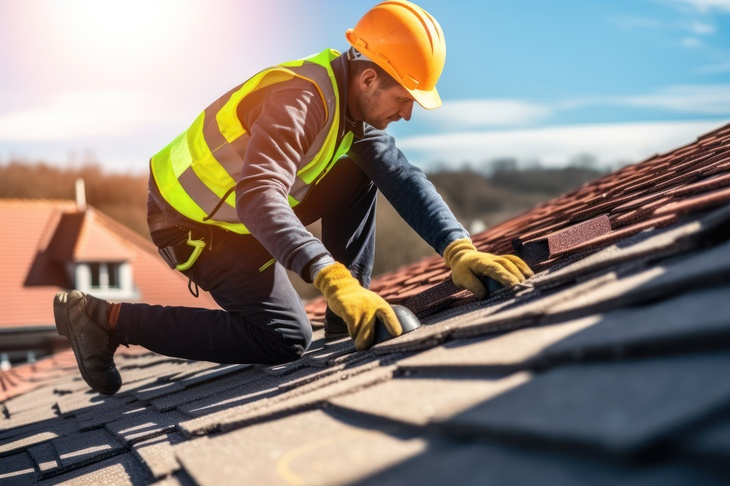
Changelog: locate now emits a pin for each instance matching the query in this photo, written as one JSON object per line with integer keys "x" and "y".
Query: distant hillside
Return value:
{"x": 507, "y": 191}
{"x": 123, "y": 197}
{"x": 477, "y": 200}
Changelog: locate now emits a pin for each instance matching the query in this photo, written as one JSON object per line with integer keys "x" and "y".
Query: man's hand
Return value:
{"x": 357, "y": 306}
{"x": 467, "y": 264}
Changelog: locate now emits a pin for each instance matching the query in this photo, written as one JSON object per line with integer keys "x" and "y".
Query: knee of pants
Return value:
{"x": 293, "y": 345}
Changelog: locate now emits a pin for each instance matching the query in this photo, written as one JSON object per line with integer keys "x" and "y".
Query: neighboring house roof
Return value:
{"x": 607, "y": 367}
{"x": 42, "y": 236}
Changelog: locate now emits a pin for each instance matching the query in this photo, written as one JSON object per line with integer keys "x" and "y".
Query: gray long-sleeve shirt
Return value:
{"x": 283, "y": 121}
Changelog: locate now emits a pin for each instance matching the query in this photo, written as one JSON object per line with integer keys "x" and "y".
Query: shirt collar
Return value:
{"x": 339, "y": 67}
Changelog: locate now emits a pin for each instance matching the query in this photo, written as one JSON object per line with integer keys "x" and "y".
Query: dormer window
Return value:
{"x": 105, "y": 275}
{"x": 110, "y": 280}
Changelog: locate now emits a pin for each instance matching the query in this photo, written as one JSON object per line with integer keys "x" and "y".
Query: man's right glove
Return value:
{"x": 356, "y": 305}
{"x": 467, "y": 264}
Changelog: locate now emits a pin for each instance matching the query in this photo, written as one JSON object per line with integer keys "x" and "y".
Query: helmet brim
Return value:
{"x": 430, "y": 100}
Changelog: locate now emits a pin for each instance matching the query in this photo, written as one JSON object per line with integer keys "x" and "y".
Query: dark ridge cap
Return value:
{"x": 436, "y": 297}
{"x": 620, "y": 234}
{"x": 579, "y": 233}
{"x": 545, "y": 248}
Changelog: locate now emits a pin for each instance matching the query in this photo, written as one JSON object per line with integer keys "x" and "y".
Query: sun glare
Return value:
{"x": 121, "y": 31}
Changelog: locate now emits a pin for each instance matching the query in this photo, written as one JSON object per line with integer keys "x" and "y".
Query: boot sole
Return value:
{"x": 63, "y": 326}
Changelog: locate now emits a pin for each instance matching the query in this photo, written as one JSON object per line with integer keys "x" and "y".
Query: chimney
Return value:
{"x": 80, "y": 195}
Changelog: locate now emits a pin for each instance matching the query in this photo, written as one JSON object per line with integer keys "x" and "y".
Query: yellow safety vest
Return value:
{"x": 197, "y": 172}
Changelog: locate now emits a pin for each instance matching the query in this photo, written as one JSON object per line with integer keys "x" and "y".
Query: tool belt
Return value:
{"x": 183, "y": 255}
{"x": 179, "y": 256}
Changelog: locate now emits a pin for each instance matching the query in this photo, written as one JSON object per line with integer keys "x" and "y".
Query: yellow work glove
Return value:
{"x": 467, "y": 264}
{"x": 356, "y": 305}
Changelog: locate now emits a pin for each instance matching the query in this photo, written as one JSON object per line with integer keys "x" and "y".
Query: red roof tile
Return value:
{"x": 650, "y": 194}
{"x": 97, "y": 243}
{"x": 698, "y": 202}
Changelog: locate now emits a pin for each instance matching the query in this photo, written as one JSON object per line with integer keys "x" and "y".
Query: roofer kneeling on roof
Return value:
{"x": 230, "y": 197}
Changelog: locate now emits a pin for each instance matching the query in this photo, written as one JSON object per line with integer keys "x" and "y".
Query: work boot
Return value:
{"x": 83, "y": 320}
{"x": 334, "y": 327}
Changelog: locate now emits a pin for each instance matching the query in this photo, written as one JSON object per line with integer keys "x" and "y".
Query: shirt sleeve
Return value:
{"x": 406, "y": 187}
{"x": 282, "y": 124}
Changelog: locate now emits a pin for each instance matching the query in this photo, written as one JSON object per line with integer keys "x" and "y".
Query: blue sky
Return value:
{"x": 620, "y": 80}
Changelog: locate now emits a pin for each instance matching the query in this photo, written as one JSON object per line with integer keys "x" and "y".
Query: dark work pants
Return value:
{"x": 263, "y": 319}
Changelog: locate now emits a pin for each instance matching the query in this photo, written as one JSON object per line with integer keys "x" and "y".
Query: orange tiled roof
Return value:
{"x": 98, "y": 242}
{"x": 40, "y": 235}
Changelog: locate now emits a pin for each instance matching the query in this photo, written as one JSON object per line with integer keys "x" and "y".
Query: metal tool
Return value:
{"x": 407, "y": 319}
{"x": 490, "y": 284}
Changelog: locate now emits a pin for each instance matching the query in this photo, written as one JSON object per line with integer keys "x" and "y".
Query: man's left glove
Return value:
{"x": 356, "y": 305}
{"x": 467, "y": 264}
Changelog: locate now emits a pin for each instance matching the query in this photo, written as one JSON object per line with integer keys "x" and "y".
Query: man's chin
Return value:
{"x": 381, "y": 124}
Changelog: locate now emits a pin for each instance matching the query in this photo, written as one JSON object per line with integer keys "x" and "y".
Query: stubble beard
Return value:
{"x": 367, "y": 105}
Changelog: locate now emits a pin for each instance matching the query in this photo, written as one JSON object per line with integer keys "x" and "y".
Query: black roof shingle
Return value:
{"x": 609, "y": 366}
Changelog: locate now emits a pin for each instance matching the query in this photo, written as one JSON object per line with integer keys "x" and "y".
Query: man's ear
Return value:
{"x": 367, "y": 79}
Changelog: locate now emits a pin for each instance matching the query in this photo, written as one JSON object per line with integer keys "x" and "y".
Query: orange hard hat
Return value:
{"x": 404, "y": 40}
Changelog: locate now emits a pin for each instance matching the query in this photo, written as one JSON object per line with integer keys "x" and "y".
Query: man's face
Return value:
{"x": 379, "y": 106}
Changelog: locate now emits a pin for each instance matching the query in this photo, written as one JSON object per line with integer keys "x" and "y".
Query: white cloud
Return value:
{"x": 690, "y": 42}
{"x": 701, "y": 28}
{"x": 609, "y": 143}
{"x": 701, "y": 99}
{"x": 694, "y": 27}
{"x": 697, "y": 19}
{"x": 84, "y": 114}
{"x": 631, "y": 23}
{"x": 695, "y": 99}
{"x": 466, "y": 115}
{"x": 705, "y": 6}
{"x": 480, "y": 113}
{"x": 723, "y": 67}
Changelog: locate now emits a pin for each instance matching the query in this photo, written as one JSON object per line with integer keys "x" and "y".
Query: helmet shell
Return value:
{"x": 407, "y": 42}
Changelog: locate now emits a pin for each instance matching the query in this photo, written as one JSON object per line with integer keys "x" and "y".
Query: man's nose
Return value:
{"x": 406, "y": 111}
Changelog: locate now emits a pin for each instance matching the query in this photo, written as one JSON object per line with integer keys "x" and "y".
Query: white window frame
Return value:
{"x": 125, "y": 289}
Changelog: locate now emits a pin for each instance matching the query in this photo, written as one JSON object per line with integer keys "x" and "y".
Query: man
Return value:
{"x": 230, "y": 198}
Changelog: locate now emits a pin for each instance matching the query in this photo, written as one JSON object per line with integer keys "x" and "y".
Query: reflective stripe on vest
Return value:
{"x": 197, "y": 172}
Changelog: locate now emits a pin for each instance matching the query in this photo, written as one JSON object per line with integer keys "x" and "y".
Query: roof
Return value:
{"x": 609, "y": 366}
{"x": 42, "y": 236}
